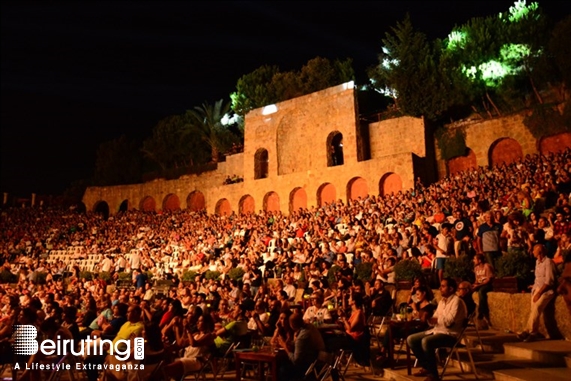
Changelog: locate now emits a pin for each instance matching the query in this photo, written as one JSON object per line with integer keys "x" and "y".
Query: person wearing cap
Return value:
{"x": 317, "y": 311}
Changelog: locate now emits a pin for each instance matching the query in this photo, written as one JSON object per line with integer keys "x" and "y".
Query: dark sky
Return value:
{"x": 75, "y": 74}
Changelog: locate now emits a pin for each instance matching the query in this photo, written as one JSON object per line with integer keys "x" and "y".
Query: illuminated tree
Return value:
{"x": 407, "y": 72}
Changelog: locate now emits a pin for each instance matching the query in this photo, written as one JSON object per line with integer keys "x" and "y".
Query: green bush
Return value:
{"x": 407, "y": 270}
{"x": 188, "y": 276}
{"x": 236, "y": 273}
{"x": 461, "y": 268}
{"x": 105, "y": 275}
{"x": 516, "y": 264}
{"x": 87, "y": 275}
{"x": 364, "y": 271}
{"x": 7, "y": 277}
{"x": 212, "y": 275}
{"x": 125, "y": 276}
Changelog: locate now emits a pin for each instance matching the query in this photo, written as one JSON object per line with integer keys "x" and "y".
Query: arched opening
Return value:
{"x": 247, "y": 205}
{"x": 148, "y": 204}
{"x": 297, "y": 199}
{"x": 223, "y": 207}
{"x": 195, "y": 201}
{"x": 171, "y": 202}
{"x": 272, "y": 202}
{"x": 124, "y": 206}
{"x": 555, "y": 143}
{"x": 81, "y": 208}
{"x": 335, "y": 149}
{"x": 390, "y": 183}
{"x": 102, "y": 208}
{"x": 357, "y": 187}
{"x": 261, "y": 164}
{"x": 462, "y": 163}
{"x": 326, "y": 194}
{"x": 504, "y": 151}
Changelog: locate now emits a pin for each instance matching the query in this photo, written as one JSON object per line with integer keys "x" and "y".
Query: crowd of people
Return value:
{"x": 482, "y": 213}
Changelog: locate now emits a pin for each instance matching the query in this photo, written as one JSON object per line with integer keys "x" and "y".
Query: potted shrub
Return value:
{"x": 513, "y": 272}
{"x": 364, "y": 270}
{"x": 6, "y": 276}
{"x": 105, "y": 276}
{"x": 460, "y": 269}
{"x": 212, "y": 275}
{"x": 87, "y": 275}
{"x": 236, "y": 273}
{"x": 405, "y": 272}
{"x": 124, "y": 279}
{"x": 188, "y": 277}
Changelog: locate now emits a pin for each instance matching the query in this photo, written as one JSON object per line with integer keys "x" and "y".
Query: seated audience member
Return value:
{"x": 233, "y": 331}
{"x": 303, "y": 351}
{"x": 381, "y": 300}
{"x": 111, "y": 327}
{"x": 448, "y": 323}
{"x": 484, "y": 276}
{"x": 283, "y": 332}
{"x": 317, "y": 311}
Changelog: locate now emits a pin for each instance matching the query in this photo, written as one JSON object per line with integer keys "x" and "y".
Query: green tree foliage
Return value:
{"x": 408, "y": 73}
{"x": 117, "y": 162}
{"x": 168, "y": 147}
{"x": 207, "y": 123}
{"x": 560, "y": 50}
{"x": 267, "y": 85}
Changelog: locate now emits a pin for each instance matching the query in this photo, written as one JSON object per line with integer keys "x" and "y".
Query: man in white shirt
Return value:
{"x": 317, "y": 312}
{"x": 448, "y": 323}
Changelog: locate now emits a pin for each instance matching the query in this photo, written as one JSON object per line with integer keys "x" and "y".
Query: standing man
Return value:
{"x": 448, "y": 323}
{"x": 444, "y": 247}
{"x": 462, "y": 233}
{"x": 542, "y": 291}
{"x": 488, "y": 241}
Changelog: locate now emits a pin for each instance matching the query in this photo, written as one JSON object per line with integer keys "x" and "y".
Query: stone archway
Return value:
{"x": 504, "y": 151}
{"x": 171, "y": 202}
{"x": 223, "y": 207}
{"x": 357, "y": 187}
{"x": 326, "y": 194}
{"x": 297, "y": 199}
{"x": 555, "y": 143}
{"x": 101, "y": 207}
{"x": 272, "y": 202}
{"x": 462, "y": 163}
{"x": 247, "y": 205}
{"x": 124, "y": 206}
{"x": 261, "y": 164}
{"x": 195, "y": 201}
{"x": 390, "y": 183}
{"x": 148, "y": 204}
{"x": 334, "y": 147}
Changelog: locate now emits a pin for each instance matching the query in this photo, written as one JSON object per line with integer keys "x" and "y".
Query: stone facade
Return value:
{"x": 497, "y": 141}
{"x": 312, "y": 150}
{"x": 299, "y": 153}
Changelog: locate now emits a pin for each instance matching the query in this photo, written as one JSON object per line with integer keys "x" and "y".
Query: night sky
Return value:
{"x": 75, "y": 74}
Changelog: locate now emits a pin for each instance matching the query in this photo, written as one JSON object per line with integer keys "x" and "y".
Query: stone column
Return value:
{"x": 33, "y": 200}
{"x": 5, "y": 198}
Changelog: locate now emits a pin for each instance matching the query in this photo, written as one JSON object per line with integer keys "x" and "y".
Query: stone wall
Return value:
{"x": 296, "y": 134}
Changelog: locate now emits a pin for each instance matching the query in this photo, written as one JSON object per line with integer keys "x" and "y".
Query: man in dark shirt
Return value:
{"x": 462, "y": 232}
{"x": 381, "y": 300}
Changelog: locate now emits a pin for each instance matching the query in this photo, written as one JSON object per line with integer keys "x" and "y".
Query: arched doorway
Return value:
{"x": 504, "y": 151}
{"x": 462, "y": 163}
{"x": 261, "y": 164}
{"x": 335, "y": 149}
{"x": 272, "y": 202}
{"x": 357, "y": 187}
{"x": 195, "y": 201}
{"x": 247, "y": 205}
{"x": 148, "y": 204}
{"x": 102, "y": 208}
{"x": 297, "y": 199}
{"x": 390, "y": 183}
{"x": 223, "y": 207}
{"x": 326, "y": 194}
{"x": 124, "y": 206}
{"x": 171, "y": 202}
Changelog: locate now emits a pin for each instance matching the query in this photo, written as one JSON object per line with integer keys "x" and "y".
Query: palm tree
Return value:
{"x": 206, "y": 121}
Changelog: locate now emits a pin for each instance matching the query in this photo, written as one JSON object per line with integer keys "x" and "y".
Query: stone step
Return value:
{"x": 568, "y": 361}
{"x": 551, "y": 353}
{"x": 533, "y": 374}
{"x": 490, "y": 340}
{"x": 489, "y": 362}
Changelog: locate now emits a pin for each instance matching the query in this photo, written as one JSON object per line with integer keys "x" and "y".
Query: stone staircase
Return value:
{"x": 504, "y": 358}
